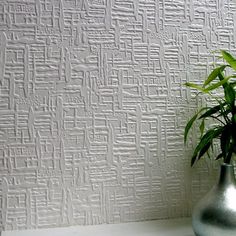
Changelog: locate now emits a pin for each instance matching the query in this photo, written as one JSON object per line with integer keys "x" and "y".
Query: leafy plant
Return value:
{"x": 223, "y": 114}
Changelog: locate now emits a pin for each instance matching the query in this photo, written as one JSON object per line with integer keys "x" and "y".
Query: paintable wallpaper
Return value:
{"x": 93, "y": 107}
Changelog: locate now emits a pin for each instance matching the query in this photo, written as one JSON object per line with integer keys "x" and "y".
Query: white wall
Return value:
{"x": 93, "y": 107}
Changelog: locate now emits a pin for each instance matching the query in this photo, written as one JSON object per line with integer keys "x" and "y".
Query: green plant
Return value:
{"x": 223, "y": 113}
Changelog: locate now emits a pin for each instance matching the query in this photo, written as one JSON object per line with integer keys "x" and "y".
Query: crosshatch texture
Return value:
{"x": 93, "y": 107}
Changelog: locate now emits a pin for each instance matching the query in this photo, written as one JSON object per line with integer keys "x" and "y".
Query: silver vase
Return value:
{"x": 215, "y": 214}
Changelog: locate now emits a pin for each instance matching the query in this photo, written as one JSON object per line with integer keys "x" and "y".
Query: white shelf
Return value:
{"x": 176, "y": 227}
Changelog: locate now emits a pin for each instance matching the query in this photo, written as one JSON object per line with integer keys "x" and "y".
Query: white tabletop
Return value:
{"x": 176, "y": 227}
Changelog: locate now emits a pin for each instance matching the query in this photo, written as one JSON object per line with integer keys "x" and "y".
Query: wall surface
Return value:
{"x": 92, "y": 107}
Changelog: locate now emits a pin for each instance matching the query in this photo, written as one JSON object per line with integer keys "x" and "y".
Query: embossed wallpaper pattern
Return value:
{"x": 92, "y": 107}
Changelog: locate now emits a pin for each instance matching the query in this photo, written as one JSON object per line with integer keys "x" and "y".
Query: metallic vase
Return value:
{"x": 215, "y": 214}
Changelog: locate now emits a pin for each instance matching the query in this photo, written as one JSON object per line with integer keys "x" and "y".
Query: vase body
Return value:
{"x": 215, "y": 214}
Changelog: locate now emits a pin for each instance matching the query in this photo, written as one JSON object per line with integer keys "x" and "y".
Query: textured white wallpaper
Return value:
{"x": 93, "y": 107}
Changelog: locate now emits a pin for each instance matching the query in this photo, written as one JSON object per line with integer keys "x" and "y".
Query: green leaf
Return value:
{"x": 233, "y": 84}
{"x": 219, "y": 156}
{"x": 204, "y": 150}
{"x": 222, "y": 77}
{"x": 188, "y": 126}
{"x": 195, "y": 86}
{"x": 229, "y": 59}
{"x": 190, "y": 123}
{"x": 234, "y": 118}
{"x": 229, "y": 94}
{"x": 214, "y": 74}
{"x": 211, "y": 111}
{"x": 202, "y": 127}
{"x": 216, "y": 85}
{"x": 225, "y": 140}
{"x": 224, "y": 112}
{"x": 193, "y": 159}
{"x": 205, "y": 140}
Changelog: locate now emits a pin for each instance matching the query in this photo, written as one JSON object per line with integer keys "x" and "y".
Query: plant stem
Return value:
{"x": 214, "y": 117}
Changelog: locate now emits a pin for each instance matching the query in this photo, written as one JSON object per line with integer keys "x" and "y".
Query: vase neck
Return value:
{"x": 226, "y": 174}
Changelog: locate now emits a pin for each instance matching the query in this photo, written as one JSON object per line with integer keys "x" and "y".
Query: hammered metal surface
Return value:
{"x": 215, "y": 214}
